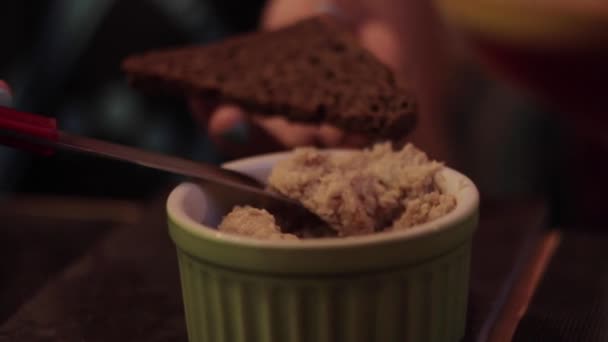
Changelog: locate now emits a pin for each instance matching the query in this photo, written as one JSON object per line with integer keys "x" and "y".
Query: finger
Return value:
{"x": 279, "y": 13}
{"x": 330, "y": 136}
{"x": 225, "y": 118}
{"x": 6, "y": 97}
{"x": 381, "y": 40}
{"x": 289, "y": 134}
{"x": 236, "y": 135}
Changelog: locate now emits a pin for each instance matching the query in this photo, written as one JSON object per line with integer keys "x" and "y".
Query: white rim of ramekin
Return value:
{"x": 467, "y": 202}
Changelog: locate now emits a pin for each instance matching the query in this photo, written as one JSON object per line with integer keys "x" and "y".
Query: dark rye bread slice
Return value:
{"x": 311, "y": 71}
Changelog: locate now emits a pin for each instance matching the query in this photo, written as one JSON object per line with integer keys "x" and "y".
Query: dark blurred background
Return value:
{"x": 63, "y": 58}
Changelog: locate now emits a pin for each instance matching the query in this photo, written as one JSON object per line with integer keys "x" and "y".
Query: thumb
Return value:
{"x": 238, "y": 136}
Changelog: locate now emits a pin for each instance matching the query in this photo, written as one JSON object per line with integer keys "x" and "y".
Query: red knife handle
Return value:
{"x": 29, "y": 126}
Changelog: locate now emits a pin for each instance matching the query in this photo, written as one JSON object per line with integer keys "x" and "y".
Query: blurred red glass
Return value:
{"x": 557, "y": 50}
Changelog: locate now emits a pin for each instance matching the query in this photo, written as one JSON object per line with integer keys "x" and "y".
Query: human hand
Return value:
{"x": 238, "y": 134}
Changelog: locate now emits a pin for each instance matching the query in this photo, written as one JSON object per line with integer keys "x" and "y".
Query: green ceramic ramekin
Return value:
{"x": 406, "y": 285}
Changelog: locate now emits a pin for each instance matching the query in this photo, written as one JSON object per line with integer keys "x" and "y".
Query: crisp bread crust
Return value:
{"x": 311, "y": 71}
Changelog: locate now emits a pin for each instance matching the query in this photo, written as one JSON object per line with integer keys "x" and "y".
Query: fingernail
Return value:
{"x": 238, "y": 134}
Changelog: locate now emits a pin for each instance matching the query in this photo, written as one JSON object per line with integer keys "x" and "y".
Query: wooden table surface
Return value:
{"x": 78, "y": 269}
